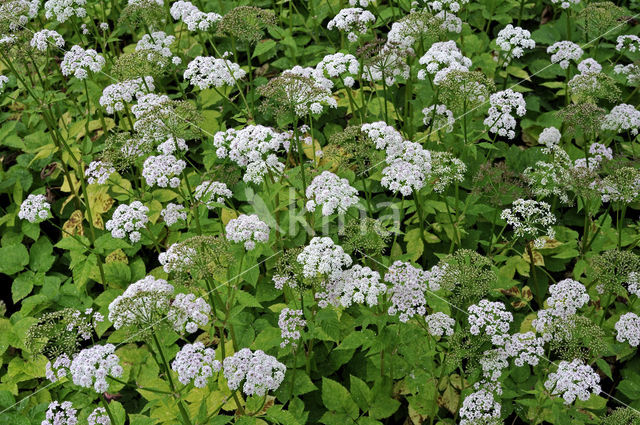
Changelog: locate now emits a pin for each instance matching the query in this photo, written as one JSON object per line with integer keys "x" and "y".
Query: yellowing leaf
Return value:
{"x": 117, "y": 256}
{"x": 228, "y": 215}
{"x": 73, "y": 226}
{"x": 538, "y": 259}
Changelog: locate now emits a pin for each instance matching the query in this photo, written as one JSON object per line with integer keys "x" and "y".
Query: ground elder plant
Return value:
{"x": 323, "y": 212}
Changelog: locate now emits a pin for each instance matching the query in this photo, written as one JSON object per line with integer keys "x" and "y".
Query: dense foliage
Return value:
{"x": 336, "y": 212}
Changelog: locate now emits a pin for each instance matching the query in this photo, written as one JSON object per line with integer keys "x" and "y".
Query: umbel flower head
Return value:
{"x": 290, "y": 323}
{"x": 193, "y": 17}
{"x": 385, "y": 65}
{"x": 365, "y": 236}
{"x": 563, "y": 51}
{"x": 357, "y": 285}
{"x": 439, "y": 324}
{"x": 196, "y": 258}
{"x": 255, "y": 148}
{"x": 628, "y": 328}
{"x": 442, "y": 58}
{"x": 409, "y": 165}
{"x": 513, "y": 41}
{"x": 407, "y": 290}
{"x": 490, "y": 318}
{"x": 248, "y": 229}
{"x": 61, "y": 332}
{"x": 573, "y": 379}
{"x": 291, "y": 94}
{"x": 480, "y": 407}
{"x": 259, "y": 371}
{"x": 323, "y": 258}
{"x": 622, "y": 186}
{"x": 500, "y": 119}
{"x": 45, "y": 38}
{"x": 246, "y": 23}
{"x": 99, "y": 416}
{"x": 187, "y": 313}
{"x": 613, "y": 269}
{"x": 60, "y": 414}
{"x": 128, "y": 220}
{"x": 195, "y": 363}
{"x": 90, "y": 367}
{"x": 529, "y": 219}
{"x": 416, "y": 26}
{"x": 35, "y": 209}
{"x": 212, "y": 194}
{"x": 353, "y": 20}
{"x": 205, "y": 72}
{"x": 465, "y": 273}
{"x": 78, "y": 62}
{"x": 141, "y": 304}
{"x": 332, "y": 193}
{"x": 163, "y": 170}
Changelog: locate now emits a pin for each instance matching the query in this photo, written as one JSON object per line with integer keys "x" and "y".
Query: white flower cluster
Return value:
{"x": 565, "y": 4}
{"x": 493, "y": 362}
{"x": 206, "y": 71}
{"x": 3, "y": 82}
{"x": 18, "y": 13}
{"x": 141, "y": 302}
{"x": 309, "y": 98}
{"x": 529, "y": 218}
{"x": 409, "y": 164}
{"x": 513, "y": 41}
{"x": 35, "y": 209}
{"x": 58, "y": 369}
{"x": 44, "y": 38}
{"x": 500, "y": 119}
{"x": 148, "y": 112}
{"x": 248, "y": 229}
{"x": 290, "y": 323}
{"x": 354, "y": 21}
{"x": 446, "y": 169}
{"x": 176, "y": 258}
{"x": 115, "y": 96}
{"x": 188, "y": 312}
{"x": 332, "y": 193}
{"x": 589, "y": 66}
{"x": 91, "y": 366}
{"x": 631, "y": 71}
{"x": 60, "y": 414}
{"x": 253, "y": 147}
{"x": 622, "y": 117}
{"x": 79, "y": 62}
{"x": 98, "y": 172}
{"x": 172, "y": 145}
{"x": 382, "y": 135}
{"x": 323, "y": 257}
{"x": 628, "y": 42}
{"x": 567, "y": 296}
{"x": 389, "y": 64}
{"x": 407, "y": 292}
{"x": 490, "y": 318}
{"x": 572, "y": 380}
{"x": 173, "y": 213}
{"x": 127, "y": 220}
{"x": 439, "y": 324}
{"x": 442, "y": 117}
{"x": 357, "y": 285}
{"x": 550, "y": 137}
{"x": 163, "y": 170}
{"x": 480, "y": 407}
{"x": 452, "y": 6}
{"x": 525, "y": 347}
{"x": 450, "y": 22}
{"x": 260, "y": 372}
{"x": 99, "y": 416}
{"x": 340, "y": 65}
{"x": 64, "y": 9}
{"x": 192, "y": 16}
{"x": 440, "y": 59}
{"x": 212, "y": 194}
{"x": 633, "y": 282}
{"x": 628, "y": 328}
{"x": 157, "y": 42}
{"x": 563, "y": 51}
{"x": 195, "y": 363}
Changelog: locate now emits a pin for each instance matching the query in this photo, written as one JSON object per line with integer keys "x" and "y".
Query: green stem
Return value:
{"x": 183, "y": 411}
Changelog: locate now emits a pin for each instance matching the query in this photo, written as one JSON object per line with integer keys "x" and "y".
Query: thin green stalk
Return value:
{"x": 183, "y": 411}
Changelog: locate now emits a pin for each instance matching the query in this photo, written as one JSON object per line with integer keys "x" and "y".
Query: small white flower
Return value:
{"x": 500, "y": 119}
{"x": 173, "y": 213}
{"x": 188, "y": 313}
{"x": 212, "y": 194}
{"x": 563, "y": 51}
{"x": 128, "y": 220}
{"x": 290, "y": 323}
{"x": 195, "y": 363}
{"x": 204, "y": 72}
{"x": 99, "y": 172}
{"x": 78, "y": 62}
{"x": 35, "y": 209}
{"x": 439, "y": 324}
{"x": 354, "y": 21}
{"x": 323, "y": 257}
{"x": 628, "y": 328}
{"x": 45, "y": 38}
{"x": 248, "y": 229}
{"x": 259, "y": 371}
{"x": 332, "y": 193}
{"x": 490, "y": 318}
{"x": 192, "y": 16}
{"x": 513, "y": 41}
{"x": 91, "y": 366}
{"x": 572, "y": 380}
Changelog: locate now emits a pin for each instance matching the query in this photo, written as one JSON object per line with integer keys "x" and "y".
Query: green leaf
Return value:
{"x": 22, "y": 286}
{"x": 263, "y": 47}
{"x": 41, "y": 255}
{"x": 336, "y": 398}
{"x": 14, "y": 258}
{"x": 361, "y": 393}
{"x": 630, "y": 388}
